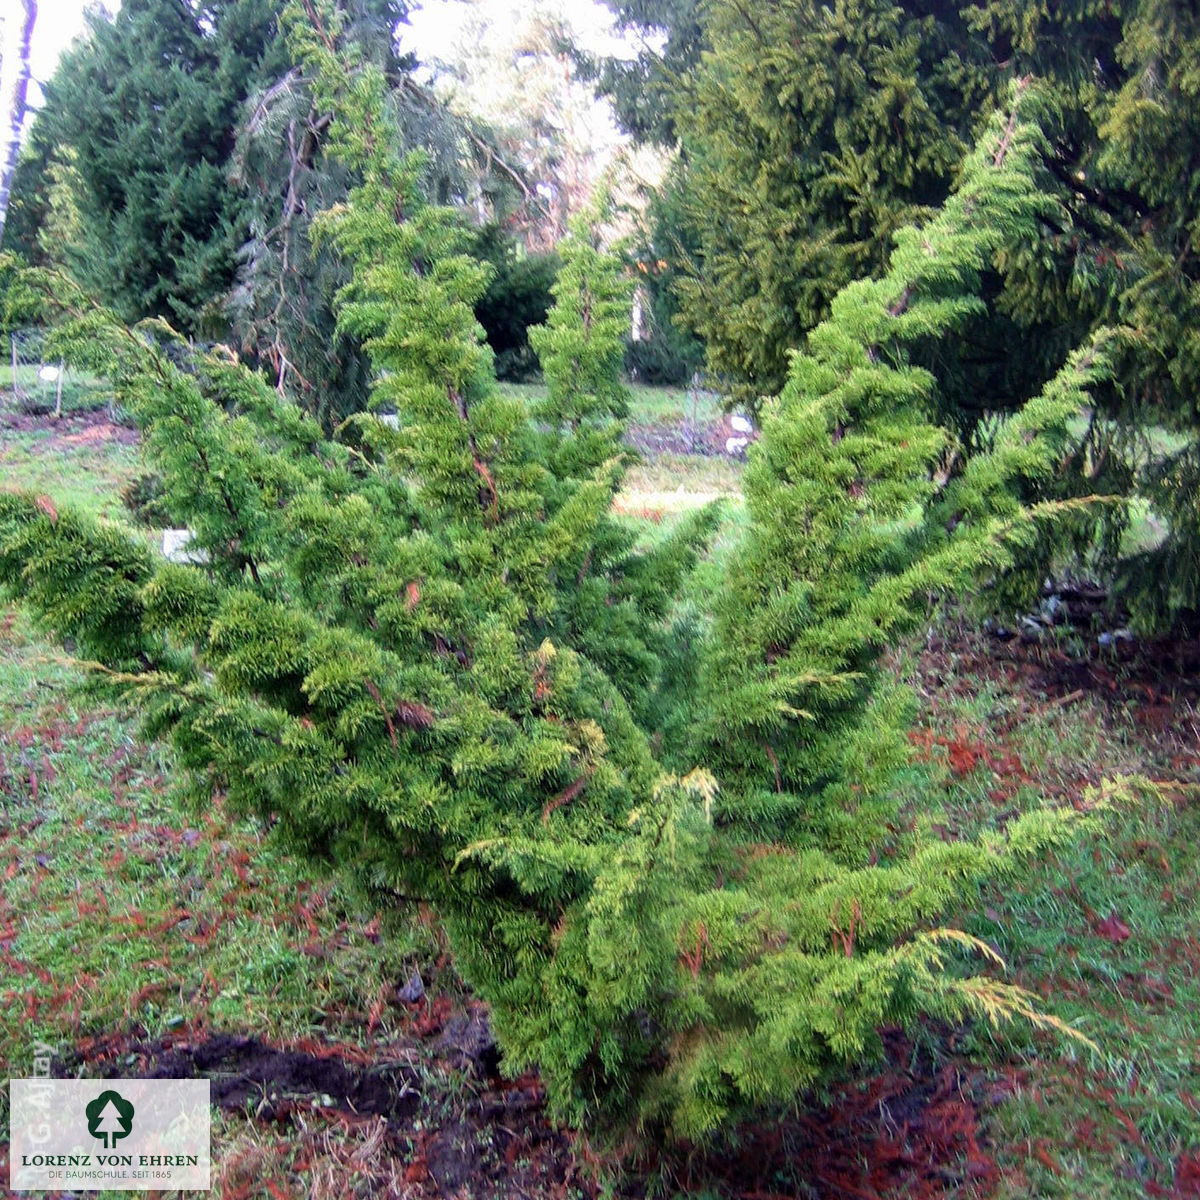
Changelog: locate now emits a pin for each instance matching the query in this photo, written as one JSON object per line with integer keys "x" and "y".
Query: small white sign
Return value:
{"x": 177, "y": 547}
{"x": 91, "y": 1135}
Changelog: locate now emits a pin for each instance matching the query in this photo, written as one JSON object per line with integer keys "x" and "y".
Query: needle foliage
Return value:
{"x": 429, "y": 655}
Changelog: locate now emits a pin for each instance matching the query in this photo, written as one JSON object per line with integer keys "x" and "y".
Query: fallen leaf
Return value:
{"x": 1113, "y": 928}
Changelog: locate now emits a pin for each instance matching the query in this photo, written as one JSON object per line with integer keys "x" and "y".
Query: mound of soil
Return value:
{"x": 910, "y": 1131}
{"x": 246, "y": 1072}
{"x": 446, "y": 1123}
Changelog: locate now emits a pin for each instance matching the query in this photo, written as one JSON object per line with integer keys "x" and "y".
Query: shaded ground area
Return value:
{"x": 1144, "y": 694}
{"x": 1161, "y": 672}
{"x": 436, "y": 1117}
{"x": 912, "y": 1130}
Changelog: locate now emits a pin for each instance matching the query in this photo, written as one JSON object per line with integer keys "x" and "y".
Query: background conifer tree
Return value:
{"x": 282, "y": 303}
{"x": 811, "y": 133}
{"x": 148, "y": 104}
{"x": 669, "y": 36}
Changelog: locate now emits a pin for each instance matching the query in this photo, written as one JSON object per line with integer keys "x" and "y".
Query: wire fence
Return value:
{"x": 33, "y": 381}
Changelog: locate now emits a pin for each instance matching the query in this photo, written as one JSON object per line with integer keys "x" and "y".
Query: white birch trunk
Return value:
{"x": 16, "y": 96}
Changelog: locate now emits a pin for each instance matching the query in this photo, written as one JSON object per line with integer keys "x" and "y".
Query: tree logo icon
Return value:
{"x": 109, "y": 1117}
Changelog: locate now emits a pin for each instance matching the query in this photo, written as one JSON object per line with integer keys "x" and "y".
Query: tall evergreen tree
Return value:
{"x": 1138, "y": 194}
{"x": 668, "y": 39}
{"x": 16, "y": 40}
{"x": 149, "y": 102}
{"x": 282, "y": 303}
{"x": 813, "y": 132}
{"x": 208, "y": 225}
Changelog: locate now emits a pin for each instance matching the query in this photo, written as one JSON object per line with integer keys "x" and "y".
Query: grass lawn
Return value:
{"x": 79, "y": 462}
{"x": 1105, "y": 934}
{"x": 134, "y": 928}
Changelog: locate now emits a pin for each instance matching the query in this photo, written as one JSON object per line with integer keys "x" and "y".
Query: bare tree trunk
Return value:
{"x": 17, "y": 99}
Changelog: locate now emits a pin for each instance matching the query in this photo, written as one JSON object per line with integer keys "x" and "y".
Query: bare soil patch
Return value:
{"x": 912, "y": 1130}
{"x": 72, "y": 429}
{"x": 437, "y": 1135}
{"x": 707, "y": 438}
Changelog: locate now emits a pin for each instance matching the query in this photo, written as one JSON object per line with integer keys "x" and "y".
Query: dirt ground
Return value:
{"x": 710, "y": 439}
{"x": 92, "y": 427}
{"x": 908, "y": 1131}
{"x": 707, "y": 438}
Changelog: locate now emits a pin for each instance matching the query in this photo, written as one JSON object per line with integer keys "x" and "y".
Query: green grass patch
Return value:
{"x": 1104, "y": 933}
{"x": 677, "y": 483}
{"x": 73, "y": 466}
{"x": 121, "y": 909}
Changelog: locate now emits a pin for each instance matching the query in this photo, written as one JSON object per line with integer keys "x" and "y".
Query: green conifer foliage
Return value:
{"x": 1147, "y": 162}
{"x": 146, "y": 107}
{"x": 811, "y": 132}
{"x": 431, "y": 657}
{"x": 837, "y": 562}
{"x": 581, "y": 348}
{"x": 610, "y": 587}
